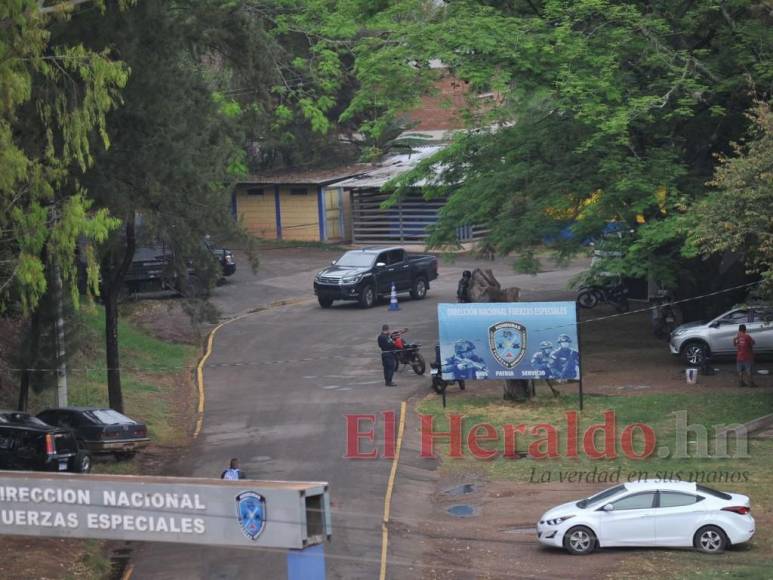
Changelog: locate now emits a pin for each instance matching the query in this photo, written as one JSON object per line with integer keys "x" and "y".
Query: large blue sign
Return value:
{"x": 518, "y": 340}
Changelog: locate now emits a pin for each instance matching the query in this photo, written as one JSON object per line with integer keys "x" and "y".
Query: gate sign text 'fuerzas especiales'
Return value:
{"x": 180, "y": 510}
{"x": 514, "y": 340}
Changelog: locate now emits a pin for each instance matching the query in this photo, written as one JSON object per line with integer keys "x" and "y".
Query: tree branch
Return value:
{"x": 61, "y": 7}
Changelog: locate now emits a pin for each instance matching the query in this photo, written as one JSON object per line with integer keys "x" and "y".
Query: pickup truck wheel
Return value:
{"x": 325, "y": 302}
{"x": 419, "y": 289}
{"x": 367, "y": 296}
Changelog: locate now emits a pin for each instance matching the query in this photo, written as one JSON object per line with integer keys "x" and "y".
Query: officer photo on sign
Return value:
{"x": 541, "y": 360}
{"x": 565, "y": 360}
{"x": 465, "y": 363}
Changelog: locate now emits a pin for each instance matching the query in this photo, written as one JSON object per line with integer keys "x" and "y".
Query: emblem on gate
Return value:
{"x": 251, "y": 513}
{"x": 507, "y": 342}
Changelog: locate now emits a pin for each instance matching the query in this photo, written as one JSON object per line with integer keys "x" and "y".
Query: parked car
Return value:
{"x": 100, "y": 430}
{"x": 152, "y": 269}
{"x": 225, "y": 257}
{"x": 650, "y": 513}
{"x": 695, "y": 342}
{"x": 27, "y": 443}
{"x": 364, "y": 275}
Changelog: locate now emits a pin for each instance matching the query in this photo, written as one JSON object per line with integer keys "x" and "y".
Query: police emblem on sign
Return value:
{"x": 251, "y": 513}
{"x": 507, "y": 342}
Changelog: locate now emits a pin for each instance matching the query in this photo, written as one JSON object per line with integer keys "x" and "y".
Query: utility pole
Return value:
{"x": 61, "y": 366}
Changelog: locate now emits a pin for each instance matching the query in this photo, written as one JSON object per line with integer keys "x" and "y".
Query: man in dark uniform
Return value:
{"x": 565, "y": 359}
{"x": 387, "y": 346}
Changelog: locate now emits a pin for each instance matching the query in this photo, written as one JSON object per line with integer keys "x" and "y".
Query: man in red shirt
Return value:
{"x": 744, "y": 355}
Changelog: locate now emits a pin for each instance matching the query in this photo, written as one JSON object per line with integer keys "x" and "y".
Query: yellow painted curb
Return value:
{"x": 208, "y": 353}
{"x": 388, "y": 497}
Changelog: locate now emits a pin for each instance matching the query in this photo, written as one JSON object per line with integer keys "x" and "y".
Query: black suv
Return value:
{"x": 27, "y": 443}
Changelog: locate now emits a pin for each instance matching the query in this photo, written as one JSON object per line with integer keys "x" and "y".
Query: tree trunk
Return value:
{"x": 111, "y": 290}
{"x": 517, "y": 390}
{"x": 30, "y": 361}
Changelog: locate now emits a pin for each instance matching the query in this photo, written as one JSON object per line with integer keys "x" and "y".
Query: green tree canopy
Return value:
{"x": 54, "y": 98}
{"x": 602, "y": 110}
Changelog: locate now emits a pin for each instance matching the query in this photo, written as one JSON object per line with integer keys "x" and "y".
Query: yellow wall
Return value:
{"x": 300, "y": 220}
{"x": 256, "y": 212}
{"x": 332, "y": 214}
{"x": 300, "y": 217}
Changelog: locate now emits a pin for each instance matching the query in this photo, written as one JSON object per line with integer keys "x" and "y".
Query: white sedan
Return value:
{"x": 650, "y": 513}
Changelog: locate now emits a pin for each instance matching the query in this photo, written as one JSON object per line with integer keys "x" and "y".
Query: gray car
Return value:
{"x": 697, "y": 341}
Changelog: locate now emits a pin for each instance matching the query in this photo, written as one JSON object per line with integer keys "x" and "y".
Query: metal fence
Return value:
{"x": 408, "y": 221}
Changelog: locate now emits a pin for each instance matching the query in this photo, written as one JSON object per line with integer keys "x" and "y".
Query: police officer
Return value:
{"x": 388, "y": 361}
{"x": 565, "y": 359}
{"x": 541, "y": 359}
{"x": 463, "y": 289}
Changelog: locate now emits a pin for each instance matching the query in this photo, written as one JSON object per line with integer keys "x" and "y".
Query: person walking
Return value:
{"x": 233, "y": 472}
{"x": 388, "y": 361}
{"x": 744, "y": 355}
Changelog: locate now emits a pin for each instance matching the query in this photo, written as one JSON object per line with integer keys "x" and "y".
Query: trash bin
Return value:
{"x": 692, "y": 376}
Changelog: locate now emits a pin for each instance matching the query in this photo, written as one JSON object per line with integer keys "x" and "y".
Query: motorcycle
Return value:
{"x": 439, "y": 384}
{"x": 616, "y": 295}
{"x": 408, "y": 354}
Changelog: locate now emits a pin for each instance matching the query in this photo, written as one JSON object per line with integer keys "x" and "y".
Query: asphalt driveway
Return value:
{"x": 278, "y": 387}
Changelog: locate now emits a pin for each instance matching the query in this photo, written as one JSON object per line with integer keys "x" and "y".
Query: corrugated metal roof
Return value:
{"x": 307, "y": 176}
{"x": 389, "y": 169}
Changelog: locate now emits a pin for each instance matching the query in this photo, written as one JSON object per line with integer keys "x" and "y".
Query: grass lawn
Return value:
{"x": 152, "y": 374}
{"x": 751, "y": 475}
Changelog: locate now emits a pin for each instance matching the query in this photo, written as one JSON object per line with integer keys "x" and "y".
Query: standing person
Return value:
{"x": 744, "y": 355}
{"x": 233, "y": 472}
{"x": 463, "y": 290}
{"x": 388, "y": 361}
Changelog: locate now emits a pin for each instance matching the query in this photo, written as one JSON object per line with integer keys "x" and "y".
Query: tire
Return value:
{"x": 587, "y": 299}
{"x": 325, "y": 302}
{"x": 462, "y": 385}
{"x": 439, "y": 385}
{"x": 710, "y": 540}
{"x": 418, "y": 364}
{"x": 580, "y": 541}
{"x": 419, "y": 289}
{"x": 695, "y": 353}
{"x": 82, "y": 462}
{"x": 367, "y": 296}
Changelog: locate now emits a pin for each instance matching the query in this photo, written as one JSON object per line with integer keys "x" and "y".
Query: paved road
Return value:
{"x": 284, "y": 416}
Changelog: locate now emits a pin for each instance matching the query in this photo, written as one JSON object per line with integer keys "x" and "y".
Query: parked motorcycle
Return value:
{"x": 408, "y": 354}
{"x": 439, "y": 384}
{"x": 614, "y": 294}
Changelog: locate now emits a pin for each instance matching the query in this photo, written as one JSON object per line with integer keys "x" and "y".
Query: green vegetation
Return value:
{"x": 153, "y": 372}
{"x": 656, "y": 411}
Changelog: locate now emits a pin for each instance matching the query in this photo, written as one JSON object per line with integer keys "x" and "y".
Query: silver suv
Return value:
{"x": 697, "y": 341}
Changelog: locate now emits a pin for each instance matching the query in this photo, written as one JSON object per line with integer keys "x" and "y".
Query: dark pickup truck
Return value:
{"x": 364, "y": 275}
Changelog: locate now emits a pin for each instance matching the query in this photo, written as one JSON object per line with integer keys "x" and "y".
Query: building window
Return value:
{"x": 255, "y": 191}
{"x": 299, "y": 191}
